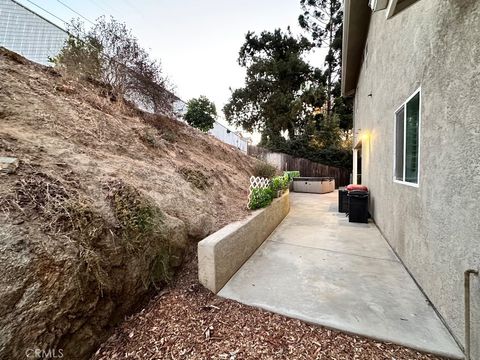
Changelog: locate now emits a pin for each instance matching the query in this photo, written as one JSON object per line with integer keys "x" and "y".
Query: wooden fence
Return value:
{"x": 306, "y": 167}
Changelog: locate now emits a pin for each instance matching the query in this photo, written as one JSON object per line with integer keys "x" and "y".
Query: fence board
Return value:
{"x": 306, "y": 167}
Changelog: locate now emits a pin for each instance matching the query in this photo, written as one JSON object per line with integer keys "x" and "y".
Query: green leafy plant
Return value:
{"x": 201, "y": 113}
{"x": 260, "y": 198}
{"x": 276, "y": 183}
{"x": 263, "y": 169}
{"x": 279, "y": 183}
{"x": 285, "y": 181}
{"x": 291, "y": 174}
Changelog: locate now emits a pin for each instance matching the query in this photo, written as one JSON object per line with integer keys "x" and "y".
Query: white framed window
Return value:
{"x": 395, "y": 6}
{"x": 406, "y": 157}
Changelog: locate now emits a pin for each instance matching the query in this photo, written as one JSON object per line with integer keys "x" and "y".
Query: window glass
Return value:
{"x": 399, "y": 121}
{"x": 407, "y": 143}
{"x": 411, "y": 142}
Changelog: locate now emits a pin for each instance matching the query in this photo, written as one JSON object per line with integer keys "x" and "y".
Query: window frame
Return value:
{"x": 404, "y": 105}
{"x": 394, "y": 7}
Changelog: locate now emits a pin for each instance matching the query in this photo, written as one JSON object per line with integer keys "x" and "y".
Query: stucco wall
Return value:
{"x": 26, "y": 33}
{"x": 434, "y": 228}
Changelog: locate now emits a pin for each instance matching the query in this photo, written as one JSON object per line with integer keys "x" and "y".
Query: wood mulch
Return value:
{"x": 186, "y": 321}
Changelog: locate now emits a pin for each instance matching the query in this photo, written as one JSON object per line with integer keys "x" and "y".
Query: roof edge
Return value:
{"x": 356, "y": 20}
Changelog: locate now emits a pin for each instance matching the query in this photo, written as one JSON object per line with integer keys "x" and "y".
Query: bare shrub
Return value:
{"x": 263, "y": 169}
{"x": 63, "y": 211}
{"x": 110, "y": 52}
{"x": 149, "y": 139}
{"x": 169, "y": 136}
{"x": 81, "y": 56}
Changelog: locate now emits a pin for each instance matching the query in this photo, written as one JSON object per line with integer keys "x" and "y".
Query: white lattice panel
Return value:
{"x": 255, "y": 183}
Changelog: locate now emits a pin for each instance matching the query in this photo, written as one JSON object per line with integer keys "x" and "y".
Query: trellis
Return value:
{"x": 256, "y": 183}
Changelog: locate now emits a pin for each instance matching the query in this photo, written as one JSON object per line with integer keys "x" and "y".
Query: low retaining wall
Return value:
{"x": 221, "y": 254}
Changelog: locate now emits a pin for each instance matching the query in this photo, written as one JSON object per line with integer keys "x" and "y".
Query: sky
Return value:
{"x": 197, "y": 42}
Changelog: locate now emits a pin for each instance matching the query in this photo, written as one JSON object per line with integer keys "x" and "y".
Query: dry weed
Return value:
{"x": 195, "y": 177}
{"x": 141, "y": 226}
{"x": 62, "y": 211}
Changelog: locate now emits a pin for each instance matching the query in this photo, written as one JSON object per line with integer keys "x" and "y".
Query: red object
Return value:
{"x": 352, "y": 187}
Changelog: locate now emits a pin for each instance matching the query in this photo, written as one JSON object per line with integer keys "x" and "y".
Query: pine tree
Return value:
{"x": 272, "y": 99}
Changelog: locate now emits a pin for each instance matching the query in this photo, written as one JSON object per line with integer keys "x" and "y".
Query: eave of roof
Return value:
{"x": 356, "y": 19}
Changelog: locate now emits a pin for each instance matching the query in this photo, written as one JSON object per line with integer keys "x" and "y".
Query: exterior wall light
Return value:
{"x": 365, "y": 135}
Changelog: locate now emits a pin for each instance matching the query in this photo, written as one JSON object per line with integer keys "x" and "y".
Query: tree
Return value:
{"x": 201, "y": 113}
{"x": 283, "y": 94}
{"x": 81, "y": 55}
{"x": 110, "y": 53}
{"x": 277, "y": 76}
{"x": 323, "y": 19}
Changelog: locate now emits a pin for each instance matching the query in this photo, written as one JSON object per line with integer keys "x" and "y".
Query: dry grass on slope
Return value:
{"x": 54, "y": 122}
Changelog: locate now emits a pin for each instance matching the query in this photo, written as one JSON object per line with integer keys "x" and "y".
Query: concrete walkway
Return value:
{"x": 318, "y": 267}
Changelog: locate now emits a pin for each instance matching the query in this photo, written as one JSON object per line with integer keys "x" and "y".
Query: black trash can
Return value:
{"x": 358, "y": 206}
{"x": 342, "y": 200}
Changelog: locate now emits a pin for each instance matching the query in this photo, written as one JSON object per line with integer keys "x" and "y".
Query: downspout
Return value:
{"x": 467, "y": 310}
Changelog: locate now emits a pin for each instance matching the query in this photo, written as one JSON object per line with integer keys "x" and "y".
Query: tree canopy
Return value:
{"x": 201, "y": 113}
{"x": 281, "y": 88}
{"x": 297, "y": 108}
{"x": 323, "y": 21}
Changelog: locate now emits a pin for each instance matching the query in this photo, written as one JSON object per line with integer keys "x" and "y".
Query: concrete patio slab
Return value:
{"x": 318, "y": 267}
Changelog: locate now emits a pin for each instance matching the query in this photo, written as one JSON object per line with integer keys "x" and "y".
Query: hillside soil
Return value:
{"x": 100, "y": 207}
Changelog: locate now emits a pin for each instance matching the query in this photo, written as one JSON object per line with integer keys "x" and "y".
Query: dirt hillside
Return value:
{"x": 101, "y": 208}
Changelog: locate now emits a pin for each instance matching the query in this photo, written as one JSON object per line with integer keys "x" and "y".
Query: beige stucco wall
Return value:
{"x": 434, "y": 228}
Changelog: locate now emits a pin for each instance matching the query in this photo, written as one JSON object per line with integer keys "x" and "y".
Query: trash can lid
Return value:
{"x": 352, "y": 187}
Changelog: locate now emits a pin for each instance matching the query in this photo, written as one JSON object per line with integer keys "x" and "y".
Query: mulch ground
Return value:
{"x": 186, "y": 321}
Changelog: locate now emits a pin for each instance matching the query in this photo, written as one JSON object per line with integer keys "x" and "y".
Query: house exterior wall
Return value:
{"x": 227, "y": 136}
{"x": 28, "y": 34}
{"x": 435, "y": 227}
{"x": 220, "y": 131}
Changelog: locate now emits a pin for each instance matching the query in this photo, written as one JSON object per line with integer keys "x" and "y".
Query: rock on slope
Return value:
{"x": 101, "y": 208}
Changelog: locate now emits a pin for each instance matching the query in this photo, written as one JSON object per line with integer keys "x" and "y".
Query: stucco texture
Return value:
{"x": 435, "y": 228}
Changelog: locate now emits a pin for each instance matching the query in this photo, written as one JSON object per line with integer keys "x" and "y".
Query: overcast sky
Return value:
{"x": 197, "y": 42}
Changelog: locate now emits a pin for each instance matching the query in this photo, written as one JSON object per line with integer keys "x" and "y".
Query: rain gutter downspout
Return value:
{"x": 467, "y": 310}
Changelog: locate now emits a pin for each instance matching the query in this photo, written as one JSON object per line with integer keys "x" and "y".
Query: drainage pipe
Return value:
{"x": 467, "y": 310}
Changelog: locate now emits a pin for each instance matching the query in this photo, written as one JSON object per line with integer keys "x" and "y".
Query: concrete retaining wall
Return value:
{"x": 221, "y": 254}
